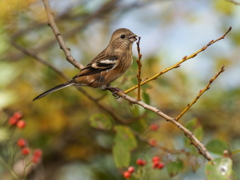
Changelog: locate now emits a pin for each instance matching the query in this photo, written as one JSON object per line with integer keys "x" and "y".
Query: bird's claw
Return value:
{"x": 114, "y": 91}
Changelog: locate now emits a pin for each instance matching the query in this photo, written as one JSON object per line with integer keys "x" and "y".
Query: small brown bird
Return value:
{"x": 106, "y": 67}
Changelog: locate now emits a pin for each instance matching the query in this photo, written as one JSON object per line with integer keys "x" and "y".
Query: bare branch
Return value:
{"x": 59, "y": 37}
{"x": 234, "y": 2}
{"x": 188, "y": 134}
{"x": 185, "y": 58}
{"x": 199, "y": 94}
{"x": 139, "y": 69}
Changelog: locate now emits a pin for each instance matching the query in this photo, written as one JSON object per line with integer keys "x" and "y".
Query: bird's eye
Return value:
{"x": 122, "y": 36}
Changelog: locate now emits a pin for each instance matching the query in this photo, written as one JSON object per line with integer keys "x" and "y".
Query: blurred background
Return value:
{"x": 59, "y": 123}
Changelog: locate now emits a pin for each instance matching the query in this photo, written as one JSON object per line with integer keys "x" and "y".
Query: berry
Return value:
{"x": 17, "y": 115}
{"x": 37, "y": 153}
{"x": 154, "y": 127}
{"x": 131, "y": 169}
{"x": 25, "y": 151}
{"x": 153, "y": 142}
{"x": 21, "y": 124}
{"x": 156, "y": 159}
{"x": 21, "y": 143}
{"x": 12, "y": 121}
{"x": 126, "y": 174}
{"x": 155, "y": 164}
{"x": 160, "y": 165}
{"x": 141, "y": 162}
{"x": 35, "y": 159}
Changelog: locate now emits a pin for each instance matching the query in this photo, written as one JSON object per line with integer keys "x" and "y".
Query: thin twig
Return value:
{"x": 139, "y": 69}
{"x": 59, "y": 37}
{"x": 234, "y": 2}
{"x": 199, "y": 94}
{"x": 188, "y": 134}
{"x": 185, "y": 58}
{"x": 39, "y": 59}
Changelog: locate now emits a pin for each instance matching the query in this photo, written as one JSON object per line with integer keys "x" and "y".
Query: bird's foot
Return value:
{"x": 114, "y": 91}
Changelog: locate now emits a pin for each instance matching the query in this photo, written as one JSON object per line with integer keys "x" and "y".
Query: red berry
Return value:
{"x": 131, "y": 169}
{"x": 12, "y": 121}
{"x": 37, "y": 153}
{"x": 153, "y": 142}
{"x": 156, "y": 159}
{"x": 141, "y": 162}
{"x": 155, "y": 164}
{"x": 25, "y": 151}
{"x": 127, "y": 174}
{"x": 21, "y": 124}
{"x": 17, "y": 115}
{"x": 160, "y": 165}
{"x": 154, "y": 127}
{"x": 21, "y": 142}
{"x": 35, "y": 159}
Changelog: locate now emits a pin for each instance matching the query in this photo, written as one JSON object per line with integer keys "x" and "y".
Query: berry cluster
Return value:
{"x": 156, "y": 164}
{"x": 16, "y": 120}
{"x": 25, "y": 150}
{"x": 127, "y": 174}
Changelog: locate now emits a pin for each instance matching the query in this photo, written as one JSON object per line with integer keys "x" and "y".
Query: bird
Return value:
{"x": 107, "y": 66}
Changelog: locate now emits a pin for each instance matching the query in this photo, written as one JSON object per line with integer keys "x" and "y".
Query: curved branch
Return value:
{"x": 188, "y": 134}
{"x": 59, "y": 37}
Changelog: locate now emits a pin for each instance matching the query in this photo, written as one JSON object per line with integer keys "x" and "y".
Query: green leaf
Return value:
{"x": 125, "y": 141}
{"x": 195, "y": 127}
{"x": 216, "y": 146}
{"x": 100, "y": 121}
{"x": 146, "y": 98}
{"x": 219, "y": 169}
{"x": 124, "y": 135}
{"x": 121, "y": 155}
{"x": 175, "y": 167}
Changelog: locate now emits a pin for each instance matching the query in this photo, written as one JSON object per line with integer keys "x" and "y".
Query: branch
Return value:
{"x": 185, "y": 58}
{"x": 188, "y": 134}
{"x": 234, "y": 2}
{"x": 199, "y": 94}
{"x": 139, "y": 69}
{"x": 59, "y": 37}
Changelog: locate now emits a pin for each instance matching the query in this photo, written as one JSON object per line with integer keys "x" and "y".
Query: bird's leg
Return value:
{"x": 114, "y": 90}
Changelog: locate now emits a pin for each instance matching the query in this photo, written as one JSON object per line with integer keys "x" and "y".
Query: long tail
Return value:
{"x": 61, "y": 86}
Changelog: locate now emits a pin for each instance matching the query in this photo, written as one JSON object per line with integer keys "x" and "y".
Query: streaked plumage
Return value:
{"x": 106, "y": 67}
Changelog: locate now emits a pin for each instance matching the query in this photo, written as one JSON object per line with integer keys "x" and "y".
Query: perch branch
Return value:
{"x": 139, "y": 69}
{"x": 185, "y": 58}
{"x": 59, "y": 37}
{"x": 199, "y": 94}
{"x": 201, "y": 148}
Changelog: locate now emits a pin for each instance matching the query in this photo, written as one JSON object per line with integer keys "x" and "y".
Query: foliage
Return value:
{"x": 81, "y": 138}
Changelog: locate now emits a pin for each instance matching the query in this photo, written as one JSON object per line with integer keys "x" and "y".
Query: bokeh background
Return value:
{"x": 170, "y": 29}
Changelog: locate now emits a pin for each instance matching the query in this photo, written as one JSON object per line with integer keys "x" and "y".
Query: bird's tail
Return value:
{"x": 61, "y": 86}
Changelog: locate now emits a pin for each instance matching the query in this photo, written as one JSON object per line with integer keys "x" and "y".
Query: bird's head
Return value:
{"x": 123, "y": 38}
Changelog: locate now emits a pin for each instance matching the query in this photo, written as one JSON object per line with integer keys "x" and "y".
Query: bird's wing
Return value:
{"x": 99, "y": 64}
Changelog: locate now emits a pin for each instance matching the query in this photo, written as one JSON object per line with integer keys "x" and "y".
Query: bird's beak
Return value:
{"x": 133, "y": 38}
